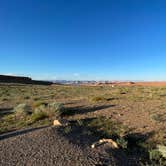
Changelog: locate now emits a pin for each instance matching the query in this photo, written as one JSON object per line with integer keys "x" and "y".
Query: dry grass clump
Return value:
{"x": 22, "y": 110}
{"x": 54, "y": 109}
{"x": 99, "y": 99}
{"x": 38, "y": 104}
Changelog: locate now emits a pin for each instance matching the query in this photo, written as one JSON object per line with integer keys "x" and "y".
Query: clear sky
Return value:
{"x": 84, "y": 39}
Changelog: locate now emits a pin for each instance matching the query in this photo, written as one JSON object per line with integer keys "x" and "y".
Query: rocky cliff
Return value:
{"x": 22, "y": 80}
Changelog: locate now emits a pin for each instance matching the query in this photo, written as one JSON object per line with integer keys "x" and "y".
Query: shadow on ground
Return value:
{"x": 84, "y": 110}
{"x": 84, "y": 137}
{"x": 19, "y": 132}
{"x": 5, "y": 111}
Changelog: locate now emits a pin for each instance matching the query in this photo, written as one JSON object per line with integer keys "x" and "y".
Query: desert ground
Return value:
{"x": 133, "y": 115}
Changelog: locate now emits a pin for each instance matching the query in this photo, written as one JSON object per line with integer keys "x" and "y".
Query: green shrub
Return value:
{"x": 41, "y": 108}
{"x": 162, "y": 150}
{"x": 56, "y": 108}
{"x": 122, "y": 142}
{"x": 52, "y": 109}
{"x": 156, "y": 157}
{"x": 22, "y": 110}
{"x": 38, "y": 104}
{"x": 105, "y": 128}
{"x": 38, "y": 116}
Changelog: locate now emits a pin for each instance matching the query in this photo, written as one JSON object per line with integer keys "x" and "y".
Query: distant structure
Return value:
{"x": 22, "y": 80}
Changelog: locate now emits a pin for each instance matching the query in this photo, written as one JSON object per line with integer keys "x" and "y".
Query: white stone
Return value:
{"x": 56, "y": 123}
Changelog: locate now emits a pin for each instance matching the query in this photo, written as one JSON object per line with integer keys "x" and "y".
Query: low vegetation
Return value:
{"x": 38, "y": 116}
{"x": 134, "y": 117}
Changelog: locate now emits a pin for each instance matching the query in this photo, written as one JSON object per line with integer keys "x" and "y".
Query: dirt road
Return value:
{"x": 43, "y": 147}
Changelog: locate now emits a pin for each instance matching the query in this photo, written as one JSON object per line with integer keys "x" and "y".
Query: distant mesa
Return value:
{"x": 22, "y": 80}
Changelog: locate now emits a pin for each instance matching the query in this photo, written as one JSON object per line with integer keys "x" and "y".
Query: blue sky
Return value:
{"x": 83, "y": 39}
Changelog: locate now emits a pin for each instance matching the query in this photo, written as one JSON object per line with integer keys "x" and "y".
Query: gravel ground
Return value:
{"x": 45, "y": 147}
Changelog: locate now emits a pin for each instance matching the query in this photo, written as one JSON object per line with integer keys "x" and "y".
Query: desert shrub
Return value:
{"x": 122, "y": 142}
{"x": 162, "y": 150}
{"x": 123, "y": 90}
{"x": 41, "y": 108}
{"x": 56, "y": 108}
{"x": 145, "y": 147}
{"x": 156, "y": 156}
{"x": 103, "y": 127}
{"x": 22, "y": 110}
{"x": 3, "y": 130}
{"x": 98, "y": 99}
{"x": 12, "y": 122}
{"x": 38, "y": 104}
{"x": 52, "y": 109}
{"x": 22, "y": 123}
{"x": 38, "y": 116}
{"x": 108, "y": 128}
{"x": 156, "y": 117}
{"x": 8, "y": 118}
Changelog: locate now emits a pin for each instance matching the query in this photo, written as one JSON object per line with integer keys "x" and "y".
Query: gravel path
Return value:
{"x": 44, "y": 147}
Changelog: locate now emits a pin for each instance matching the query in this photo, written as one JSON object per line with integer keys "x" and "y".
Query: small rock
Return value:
{"x": 56, "y": 123}
{"x": 61, "y": 122}
{"x": 93, "y": 146}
